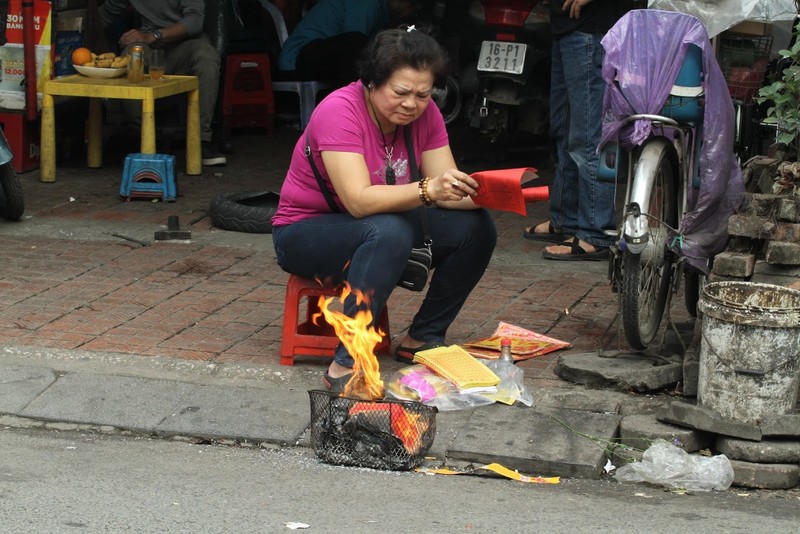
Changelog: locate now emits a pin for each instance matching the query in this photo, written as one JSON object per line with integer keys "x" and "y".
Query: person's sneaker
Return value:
{"x": 211, "y": 157}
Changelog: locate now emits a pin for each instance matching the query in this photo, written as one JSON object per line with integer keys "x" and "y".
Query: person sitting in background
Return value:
{"x": 176, "y": 26}
{"x": 357, "y": 143}
{"x": 328, "y": 40}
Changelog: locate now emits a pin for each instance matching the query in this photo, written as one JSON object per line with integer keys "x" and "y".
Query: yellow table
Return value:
{"x": 93, "y": 88}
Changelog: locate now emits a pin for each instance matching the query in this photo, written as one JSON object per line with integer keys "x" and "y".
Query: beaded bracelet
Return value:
{"x": 423, "y": 191}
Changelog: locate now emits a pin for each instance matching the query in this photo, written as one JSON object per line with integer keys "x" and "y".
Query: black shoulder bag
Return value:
{"x": 418, "y": 267}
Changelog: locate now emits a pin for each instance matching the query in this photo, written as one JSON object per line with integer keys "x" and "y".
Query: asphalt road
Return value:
{"x": 85, "y": 482}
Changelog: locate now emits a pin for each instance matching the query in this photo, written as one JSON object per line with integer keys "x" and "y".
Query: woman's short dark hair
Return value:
{"x": 391, "y": 50}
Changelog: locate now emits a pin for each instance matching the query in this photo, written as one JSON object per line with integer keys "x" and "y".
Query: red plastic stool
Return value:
{"x": 247, "y": 98}
{"x": 306, "y": 338}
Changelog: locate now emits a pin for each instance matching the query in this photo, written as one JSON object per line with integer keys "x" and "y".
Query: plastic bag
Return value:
{"x": 418, "y": 383}
{"x": 511, "y": 388}
{"x": 666, "y": 465}
{"x": 720, "y": 15}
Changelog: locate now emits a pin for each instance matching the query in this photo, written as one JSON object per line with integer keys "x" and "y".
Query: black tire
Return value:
{"x": 249, "y": 212}
{"x": 12, "y": 204}
{"x": 646, "y": 277}
{"x": 448, "y": 99}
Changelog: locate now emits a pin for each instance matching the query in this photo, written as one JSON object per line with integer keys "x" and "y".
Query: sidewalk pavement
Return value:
{"x": 103, "y": 327}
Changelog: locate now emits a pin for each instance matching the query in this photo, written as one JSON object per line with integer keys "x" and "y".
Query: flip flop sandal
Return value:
{"x": 577, "y": 253}
{"x": 406, "y": 354}
{"x": 550, "y": 237}
{"x": 336, "y": 385}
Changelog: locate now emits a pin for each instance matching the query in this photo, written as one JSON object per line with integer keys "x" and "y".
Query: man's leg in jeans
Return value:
{"x": 582, "y": 57}
{"x": 595, "y": 196}
{"x": 563, "y": 193}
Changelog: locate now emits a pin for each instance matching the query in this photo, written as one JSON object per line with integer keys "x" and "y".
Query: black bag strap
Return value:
{"x": 325, "y": 191}
{"x": 412, "y": 164}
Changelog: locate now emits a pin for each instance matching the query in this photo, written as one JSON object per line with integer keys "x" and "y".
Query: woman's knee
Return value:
{"x": 391, "y": 231}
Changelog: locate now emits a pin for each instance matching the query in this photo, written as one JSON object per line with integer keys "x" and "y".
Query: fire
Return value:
{"x": 360, "y": 340}
{"x": 404, "y": 424}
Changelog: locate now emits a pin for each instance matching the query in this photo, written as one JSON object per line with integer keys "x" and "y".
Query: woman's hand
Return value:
{"x": 452, "y": 186}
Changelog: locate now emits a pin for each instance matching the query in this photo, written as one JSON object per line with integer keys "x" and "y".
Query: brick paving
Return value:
{"x": 74, "y": 277}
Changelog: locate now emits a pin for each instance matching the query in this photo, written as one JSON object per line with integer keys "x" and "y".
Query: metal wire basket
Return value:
{"x": 744, "y": 60}
{"x": 386, "y": 434}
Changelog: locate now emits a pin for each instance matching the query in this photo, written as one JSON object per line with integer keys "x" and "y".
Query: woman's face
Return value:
{"x": 403, "y": 97}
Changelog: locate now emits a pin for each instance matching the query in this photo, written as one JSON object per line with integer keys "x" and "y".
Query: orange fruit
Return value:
{"x": 81, "y": 56}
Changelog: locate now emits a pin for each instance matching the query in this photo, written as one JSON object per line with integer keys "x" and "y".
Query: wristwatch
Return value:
{"x": 157, "y": 35}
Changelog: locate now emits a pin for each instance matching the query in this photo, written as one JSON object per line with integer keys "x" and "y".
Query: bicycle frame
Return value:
{"x": 646, "y": 262}
{"x": 635, "y": 229}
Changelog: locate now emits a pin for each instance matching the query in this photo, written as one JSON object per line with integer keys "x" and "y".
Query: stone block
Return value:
{"x": 781, "y": 275}
{"x": 789, "y": 209}
{"x": 640, "y": 431}
{"x": 782, "y": 253}
{"x": 642, "y": 405}
{"x": 713, "y": 277}
{"x": 773, "y": 451}
{"x": 765, "y": 476}
{"x": 784, "y": 231}
{"x": 701, "y": 418}
{"x": 624, "y": 372}
{"x": 547, "y": 442}
{"x": 738, "y": 264}
{"x": 761, "y": 204}
{"x": 748, "y": 225}
{"x": 623, "y": 455}
{"x": 782, "y": 425}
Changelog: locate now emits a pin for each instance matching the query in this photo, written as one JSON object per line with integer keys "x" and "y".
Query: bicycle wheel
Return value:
{"x": 11, "y": 202}
{"x": 646, "y": 276}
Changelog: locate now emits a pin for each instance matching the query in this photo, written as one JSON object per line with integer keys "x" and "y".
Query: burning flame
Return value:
{"x": 405, "y": 425}
{"x": 360, "y": 340}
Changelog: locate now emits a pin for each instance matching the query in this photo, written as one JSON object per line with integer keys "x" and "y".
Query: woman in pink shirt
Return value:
{"x": 357, "y": 139}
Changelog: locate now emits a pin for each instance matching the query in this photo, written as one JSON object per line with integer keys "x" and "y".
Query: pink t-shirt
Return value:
{"x": 341, "y": 123}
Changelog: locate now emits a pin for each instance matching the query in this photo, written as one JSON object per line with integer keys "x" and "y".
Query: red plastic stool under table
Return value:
{"x": 309, "y": 339}
{"x": 247, "y": 98}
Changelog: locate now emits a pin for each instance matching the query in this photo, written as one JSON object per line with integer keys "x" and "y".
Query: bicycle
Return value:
{"x": 660, "y": 176}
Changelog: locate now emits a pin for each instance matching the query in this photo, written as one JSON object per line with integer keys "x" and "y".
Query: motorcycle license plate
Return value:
{"x": 499, "y": 56}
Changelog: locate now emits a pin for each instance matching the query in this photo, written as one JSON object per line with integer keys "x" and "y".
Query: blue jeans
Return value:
{"x": 371, "y": 253}
{"x": 580, "y": 202}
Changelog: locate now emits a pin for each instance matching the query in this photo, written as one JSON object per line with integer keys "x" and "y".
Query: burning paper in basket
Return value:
{"x": 360, "y": 340}
{"x": 524, "y": 343}
{"x": 357, "y": 427}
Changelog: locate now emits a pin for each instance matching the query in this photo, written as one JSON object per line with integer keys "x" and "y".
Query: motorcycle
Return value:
{"x": 12, "y": 204}
{"x": 506, "y": 84}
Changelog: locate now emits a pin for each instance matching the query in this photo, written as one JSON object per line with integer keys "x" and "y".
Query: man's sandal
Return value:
{"x": 551, "y": 236}
{"x": 577, "y": 253}
{"x": 406, "y": 354}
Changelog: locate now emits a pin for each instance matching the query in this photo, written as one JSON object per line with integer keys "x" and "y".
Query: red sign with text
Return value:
{"x": 41, "y": 22}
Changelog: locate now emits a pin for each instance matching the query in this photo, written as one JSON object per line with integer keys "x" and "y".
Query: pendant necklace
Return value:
{"x": 388, "y": 172}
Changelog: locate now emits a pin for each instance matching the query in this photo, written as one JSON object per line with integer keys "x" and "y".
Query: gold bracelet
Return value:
{"x": 423, "y": 191}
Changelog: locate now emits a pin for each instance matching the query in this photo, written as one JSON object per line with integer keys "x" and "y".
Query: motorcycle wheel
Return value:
{"x": 12, "y": 204}
{"x": 646, "y": 277}
{"x": 448, "y": 99}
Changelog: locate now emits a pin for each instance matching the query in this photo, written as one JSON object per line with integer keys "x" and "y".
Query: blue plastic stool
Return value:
{"x": 149, "y": 175}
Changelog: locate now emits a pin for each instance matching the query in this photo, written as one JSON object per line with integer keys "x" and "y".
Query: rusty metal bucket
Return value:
{"x": 750, "y": 350}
